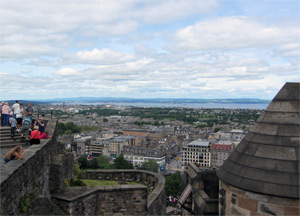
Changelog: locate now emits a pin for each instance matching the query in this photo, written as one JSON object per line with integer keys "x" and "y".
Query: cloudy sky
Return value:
{"x": 148, "y": 48}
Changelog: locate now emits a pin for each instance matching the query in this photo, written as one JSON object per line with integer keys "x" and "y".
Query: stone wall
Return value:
{"x": 106, "y": 200}
{"x": 203, "y": 199}
{"x": 61, "y": 170}
{"x": 29, "y": 177}
{"x": 235, "y": 201}
{"x": 121, "y": 199}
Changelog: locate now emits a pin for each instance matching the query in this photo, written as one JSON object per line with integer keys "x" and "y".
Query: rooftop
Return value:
{"x": 134, "y": 150}
{"x": 267, "y": 161}
{"x": 199, "y": 142}
{"x": 123, "y": 138}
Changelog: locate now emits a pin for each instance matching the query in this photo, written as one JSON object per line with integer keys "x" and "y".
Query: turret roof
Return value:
{"x": 267, "y": 159}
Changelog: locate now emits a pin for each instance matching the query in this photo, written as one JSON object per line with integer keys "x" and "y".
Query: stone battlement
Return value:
{"x": 123, "y": 199}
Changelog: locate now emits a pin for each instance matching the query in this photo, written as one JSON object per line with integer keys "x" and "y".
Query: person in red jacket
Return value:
{"x": 35, "y": 136}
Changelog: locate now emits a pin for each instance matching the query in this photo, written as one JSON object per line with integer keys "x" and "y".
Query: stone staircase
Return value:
{"x": 6, "y": 140}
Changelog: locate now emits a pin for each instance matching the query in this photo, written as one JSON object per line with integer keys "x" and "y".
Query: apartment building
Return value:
{"x": 237, "y": 135}
{"x": 97, "y": 148}
{"x": 117, "y": 143}
{"x": 197, "y": 151}
{"x": 138, "y": 155}
{"x": 135, "y": 132}
{"x": 220, "y": 152}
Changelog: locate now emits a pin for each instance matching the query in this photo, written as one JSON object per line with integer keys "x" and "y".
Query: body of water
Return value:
{"x": 182, "y": 105}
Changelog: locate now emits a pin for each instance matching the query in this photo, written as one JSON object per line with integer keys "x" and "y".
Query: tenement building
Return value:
{"x": 138, "y": 155}
{"x": 220, "y": 152}
{"x": 261, "y": 176}
{"x": 117, "y": 143}
{"x": 198, "y": 152}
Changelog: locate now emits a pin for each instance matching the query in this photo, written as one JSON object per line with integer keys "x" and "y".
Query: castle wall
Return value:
{"x": 108, "y": 200}
{"x": 203, "y": 199}
{"x": 121, "y": 199}
{"x": 235, "y": 201}
{"x": 29, "y": 177}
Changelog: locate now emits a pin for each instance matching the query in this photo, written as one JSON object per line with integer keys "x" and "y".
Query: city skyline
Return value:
{"x": 148, "y": 49}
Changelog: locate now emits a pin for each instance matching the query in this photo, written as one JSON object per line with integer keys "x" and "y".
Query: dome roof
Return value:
{"x": 267, "y": 159}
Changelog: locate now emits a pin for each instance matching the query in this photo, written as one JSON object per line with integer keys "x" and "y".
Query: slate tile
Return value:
{"x": 276, "y": 152}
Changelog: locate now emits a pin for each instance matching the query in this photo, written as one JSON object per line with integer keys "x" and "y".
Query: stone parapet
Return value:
{"x": 129, "y": 199}
{"x": 104, "y": 200}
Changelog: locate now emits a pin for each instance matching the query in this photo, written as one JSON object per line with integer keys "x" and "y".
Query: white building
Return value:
{"x": 237, "y": 135}
{"x": 137, "y": 155}
{"x": 198, "y": 152}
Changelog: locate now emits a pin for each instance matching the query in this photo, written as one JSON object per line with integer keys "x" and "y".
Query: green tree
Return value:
{"x": 121, "y": 163}
{"x": 109, "y": 166}
{"x": 76, "y": 170}
{"x": 68, "y": 132}
{"x": 150, "y": 165}
{"x": 173, "y": 184}
{"x": 82, "y": 162}
{"x": 102, "y": 161}
{"x": 61, "y": 128}
{"x": 92, "y": 164}
{"x": 72, "y": 127}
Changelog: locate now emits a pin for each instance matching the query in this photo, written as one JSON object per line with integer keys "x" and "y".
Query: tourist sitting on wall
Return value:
{"x": 40, "y": 124}
{"x": 25, "y": 127}
{"x": 45, "y": 135}
{"x": 35, "y": 136}
{"x": 15, "y": 153}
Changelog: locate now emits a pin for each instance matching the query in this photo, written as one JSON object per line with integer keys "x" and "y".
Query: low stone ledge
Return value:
{"x": 103, "y": 200}
{"x": 73, "y": 193}
{"x": 156, "y": 204}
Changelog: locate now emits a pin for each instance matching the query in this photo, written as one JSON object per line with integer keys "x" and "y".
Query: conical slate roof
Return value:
{"x": 267, "y": 159}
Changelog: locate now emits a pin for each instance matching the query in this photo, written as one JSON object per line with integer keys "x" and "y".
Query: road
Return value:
{"x": 175, "y": 164}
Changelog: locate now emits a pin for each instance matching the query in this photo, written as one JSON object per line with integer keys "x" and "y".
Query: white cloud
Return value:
{"x": 34, "y": 28}
{"x": 117, "y": 48}
{"x": 24, "y": 70}
{"x": 67, "y": 72}
{"x": 99, "y": 57}
{"x": 18, "y": 46}
{"x": 229, "y": 33}
{"x": 157, "y": 11}
{"x": 291, "y": 50}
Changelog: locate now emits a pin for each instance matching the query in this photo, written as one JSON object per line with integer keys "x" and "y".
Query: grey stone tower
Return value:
{"x": 262, "y": 175}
